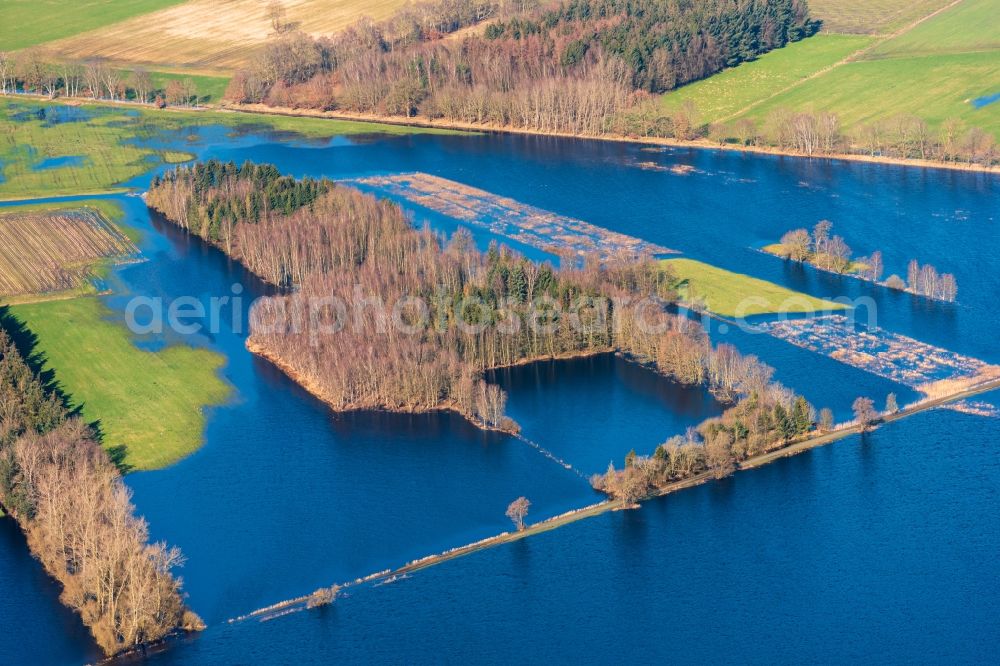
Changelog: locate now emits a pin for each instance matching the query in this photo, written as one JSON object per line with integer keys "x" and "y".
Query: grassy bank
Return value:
{"x": 730, "y": 294}
{"x": 152, "y": 403}
{"x": 453, "y": 126}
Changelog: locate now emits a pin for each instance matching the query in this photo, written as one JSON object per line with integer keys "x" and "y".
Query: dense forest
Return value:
{"x": 69, "y": 499}
{"x": 383, "y": 315}
{"x": 570, "y": 66}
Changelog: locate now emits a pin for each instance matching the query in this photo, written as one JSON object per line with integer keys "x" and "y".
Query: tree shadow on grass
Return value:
{"x": 26, "y": 343}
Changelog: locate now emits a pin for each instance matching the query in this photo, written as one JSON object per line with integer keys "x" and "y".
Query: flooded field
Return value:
{"x": 284, "y": 497}
{"x": 916, "y": 364}
{"x": 511, "y": 219}
{"x": 48, "y": 251}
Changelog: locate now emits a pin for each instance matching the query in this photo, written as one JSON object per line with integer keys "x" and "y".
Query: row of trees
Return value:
{"x": 926, "y": 281}
{"x": 831, "y": 253}
{"x": 388, "y": 316}
{"x": 764, "y": 422}
{"x": 903, "y": 136}
{"x": 28, "y": 71}
{"x": 68, "y": 497}
{"x": 573, "y": 67}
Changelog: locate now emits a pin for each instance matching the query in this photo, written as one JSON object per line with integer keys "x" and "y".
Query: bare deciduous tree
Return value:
{"x": 796, "y": 244}
{"x": 8, "y": 69}
{"x": 864, "y": 412}
{"x": 276, "y": 12}
{"x": 826, "y": 419}
{"x": 93, "y": 75}
{"x": 517, "y": 511}
{"x": 142, "y": 84}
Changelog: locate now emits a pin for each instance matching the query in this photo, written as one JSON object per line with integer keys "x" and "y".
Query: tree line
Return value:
{"x": 831, "y": 253}
{"x": 765, "y": 420}
{"x": 573, "y": 66}
{"x": 590, "y": 67}
{"x": 69, "y": 499}
{"x": 384, "y": 315}
{"x": 28, "y": 71}
{"x": 902, "y": 136}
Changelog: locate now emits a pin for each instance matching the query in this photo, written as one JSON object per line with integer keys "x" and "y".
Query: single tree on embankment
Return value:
{"x": 864, "y": 413}
{"x": 517, "y": 511}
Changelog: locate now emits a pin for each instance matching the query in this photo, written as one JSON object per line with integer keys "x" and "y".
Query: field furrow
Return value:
{"x": 53, "y": 251}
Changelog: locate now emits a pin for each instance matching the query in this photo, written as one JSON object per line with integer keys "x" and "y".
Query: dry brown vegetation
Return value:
{"x": 212, "y": 36}
{"x": 68, "y": 497}
{"x": 571, "y": 67}
{"x": 556, "y": 234}
{"x": 934, "y": 371}
{"x": 388, "y": 316}
{"x": 51, "y": 251}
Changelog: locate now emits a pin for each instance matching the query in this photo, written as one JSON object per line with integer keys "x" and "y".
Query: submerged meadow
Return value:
{"x": 285, "y": 497}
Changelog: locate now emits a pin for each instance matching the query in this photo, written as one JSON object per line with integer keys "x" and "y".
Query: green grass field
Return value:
{"x": 972, "y": 25}
{"x": 210, "y": 88}
{"x": 729, "y": 91}
{"x": 932, "y": 71}
{"x": 870, "y": 16}
{"x": 103, "y": 143}
{"x": 29, "y": 22}
{"x": 737, "y": 295}
{"x": 935, "y": 88}
{"x": 150, "y": 402}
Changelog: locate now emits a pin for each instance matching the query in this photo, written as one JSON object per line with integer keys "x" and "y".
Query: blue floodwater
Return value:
{"x": 882, "y": 547}
{"x": 293, "y": 488}
{"x": 35, "y": 626}
{"x": 985, "y": 100}
{"x": 558, "y": 404}
{"x": 836, "y": 553}
{"x": 64, "y": 161}
{"x": 57, "y": 114}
